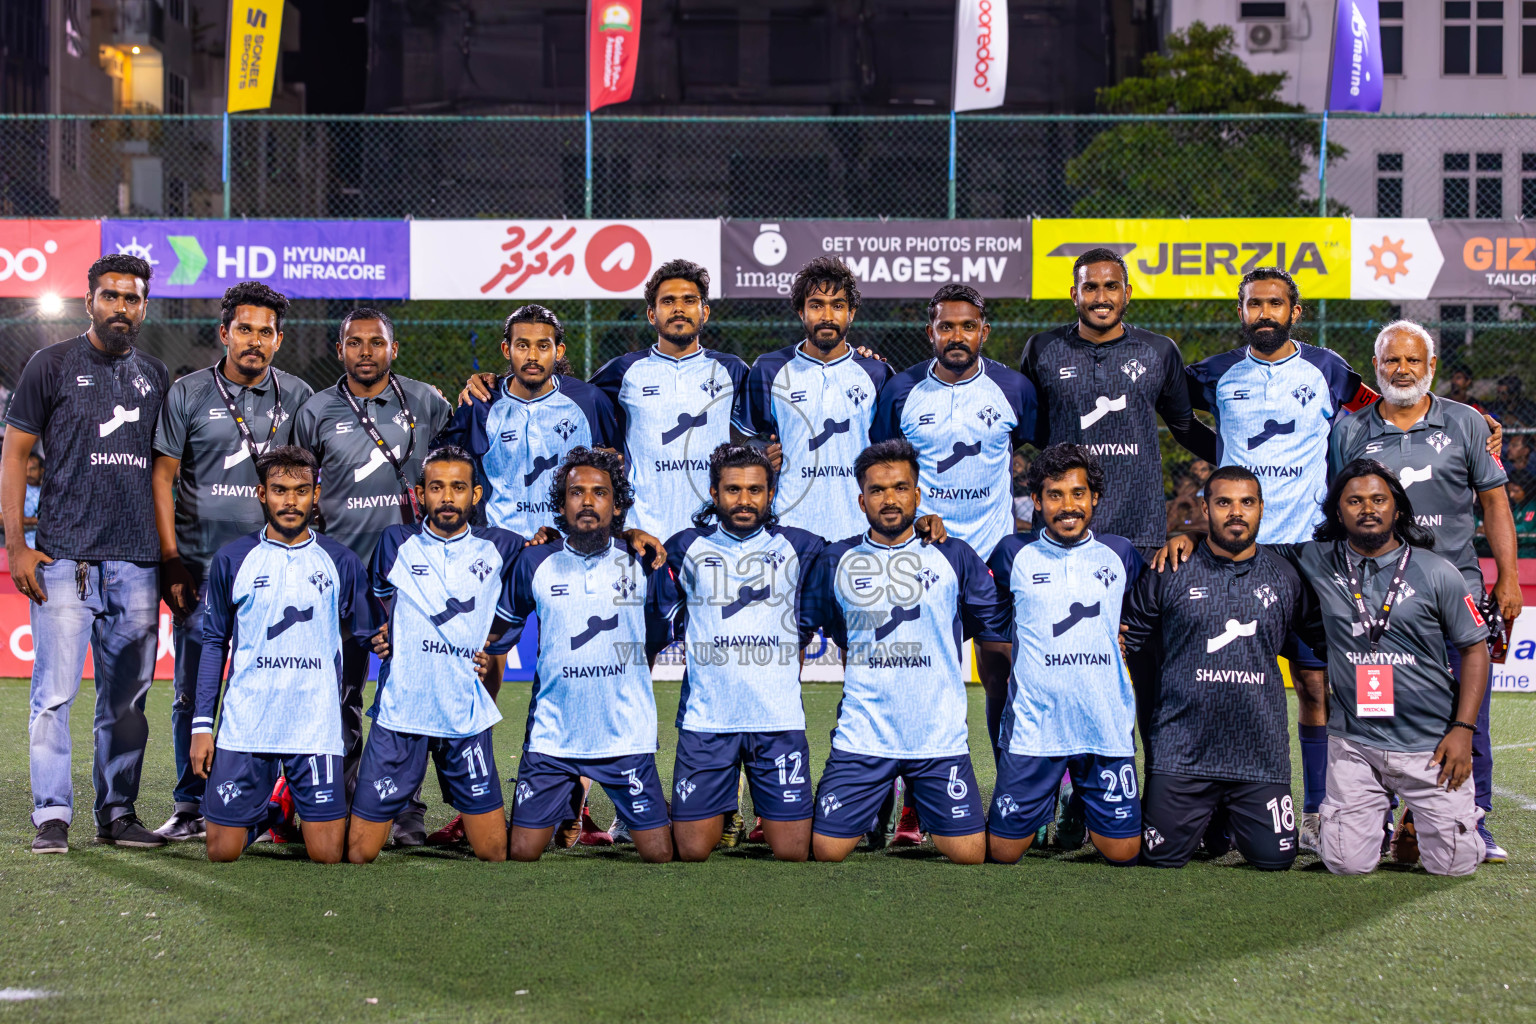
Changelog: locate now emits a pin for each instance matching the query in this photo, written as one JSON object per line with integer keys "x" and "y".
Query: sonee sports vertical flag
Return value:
{"x": 1355, "y": 80}
{"x": 613, "y": 47}
{"x": 255, "y": 38}
{"x": 981, "y": 53}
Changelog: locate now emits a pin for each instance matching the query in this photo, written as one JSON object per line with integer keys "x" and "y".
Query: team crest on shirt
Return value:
{"x": 711, "y": 387}
{"x": 927, "y": 577}
{"x": 1439, "y": 441}
{"x": 480, "y": 569}
{"x": 857, "y": 395}
{"x": 1105, "y": 575}
{"x": 321, "y": 581}
{"x": 401, "y": 420}
{"x": 772, "y": 559}
{"x": 565, "y": 428}
{"x": 1404, "y": 591}
{"x": 1303, "y": 394}
{"x": 1266, "y": 595}
{"x": 1341, "y": 581}
{"x": 142, "y": 385}
{"x": 1133, "y": 369}
{"x": 988, "y": 415}
{"x": 229, "y": 790}
{"x": 625, "y": 586}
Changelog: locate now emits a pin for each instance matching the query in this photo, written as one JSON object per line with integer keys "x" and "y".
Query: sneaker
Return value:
{"x": 590, "y": 834}
{"x": 876, "y": 840}
{"x": 1071, "y": 828}
{"x": 731, "y": 834}
{"x": 1042, "y": 837}
{"x": 619, "y": 834}
{"x": 568, "y": 832}
{"x": 409, "y": 834}
{"x": 1405, "y": 843}
{"x": 756, "y": 835}
{"x": 280, "y": 812}
{"x": 1388, "y": 830}
{"x": 1311, "y": 825}
{"x": 1495, "y": 854}
{"x": 909, "y": 831}
{"x": 52, "y": 837}
{"x": 128, "y": 831}
{"x": 183, "y": 825}
{"x": 451, "y": 834}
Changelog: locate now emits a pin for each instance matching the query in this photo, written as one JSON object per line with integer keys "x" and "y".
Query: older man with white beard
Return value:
{"x": 1438, "y": 448}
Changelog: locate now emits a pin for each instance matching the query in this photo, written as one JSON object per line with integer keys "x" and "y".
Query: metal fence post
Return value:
{"x": 951, "y": 165}
{"x": 226, "y": 165}
{"x": 1322, "y": 211}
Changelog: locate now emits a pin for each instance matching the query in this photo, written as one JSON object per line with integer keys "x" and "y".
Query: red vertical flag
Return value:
{"x": 613, "y": 46}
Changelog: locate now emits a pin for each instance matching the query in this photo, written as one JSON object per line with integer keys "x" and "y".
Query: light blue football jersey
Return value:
{"x": 821, "y": 413}
{"x": 900, "y": 614}
{"x": 737, "y": 607}
{"x": 964, "y": 434}
{"x": 599, "y": 619}
{"x": 1069, "y": 692}
{"x": 517, "y": 444}
{"x": 443, "y": 594}
{"x": 1273, "y": 419}
{"x": 286, "y": 610}
{"x": 672, "y": 414}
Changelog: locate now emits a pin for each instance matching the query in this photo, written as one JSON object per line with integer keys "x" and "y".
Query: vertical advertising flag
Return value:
{"x": 613, "y": 47}
{"x": 1354, "y": 81}
{"x": 981, "y": 53}
{"x": 255, "y": 34}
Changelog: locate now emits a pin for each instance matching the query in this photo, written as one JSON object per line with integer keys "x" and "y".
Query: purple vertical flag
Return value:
{"x": 1355, "y": 78}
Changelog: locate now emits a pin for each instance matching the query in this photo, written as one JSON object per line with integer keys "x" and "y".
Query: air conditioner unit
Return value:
{"x": 1264, "y": 36}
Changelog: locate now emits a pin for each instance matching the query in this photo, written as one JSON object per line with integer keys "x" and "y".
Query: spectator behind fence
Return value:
{"x": 1459, "y": 388}
{"x": 1524, "y": 511}
{"x": 1510, "y": 406}
{"x": 1023, "y": 504}
{"x": 1517, "y": 460}
{"x": 33, "y": 497}
{"x": 1186, "y": 510}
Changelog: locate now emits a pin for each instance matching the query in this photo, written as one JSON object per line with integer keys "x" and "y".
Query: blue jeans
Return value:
{"x": 119, "y": 618}
{"x": 187, "y": 639}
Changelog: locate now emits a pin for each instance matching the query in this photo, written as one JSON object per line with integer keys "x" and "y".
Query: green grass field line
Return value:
{"x": 593, "y": 935}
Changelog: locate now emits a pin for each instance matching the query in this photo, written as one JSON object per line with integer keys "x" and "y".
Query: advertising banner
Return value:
{"x": 613, "y": 51}
{"x": 1443, "y": 259}
{"x": 891, "y": 259}
{"x": 16, "y": 653}
{"x": 255, "y": 39}
{"x": 981, "y": 54}
{"x": 303, "y": 259}
{"x": 553, "y": 259}
{"x": 46, "y": 257}
{"x": 1199, "y": 259}
{"x": 1354, "y": 81}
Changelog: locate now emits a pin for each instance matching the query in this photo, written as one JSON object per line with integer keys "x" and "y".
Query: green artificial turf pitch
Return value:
{"x": 593, "y": 935}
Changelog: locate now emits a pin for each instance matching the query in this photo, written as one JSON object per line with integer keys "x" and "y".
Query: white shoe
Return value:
{"x": 1311, "y": 826}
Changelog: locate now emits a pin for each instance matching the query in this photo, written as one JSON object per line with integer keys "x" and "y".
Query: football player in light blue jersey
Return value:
{"x": 441, "y": 582}
{"x": 532, "y": 416}
{"x": 817, "y": 399}
{"x": 964, "y": 414}
{"x": 592, "y": 713}
{"x": 737, "y": 606}
{"x": 900, "y": 610}
{"x": 1069, "y": 702}
{"x": 287, "y": 597}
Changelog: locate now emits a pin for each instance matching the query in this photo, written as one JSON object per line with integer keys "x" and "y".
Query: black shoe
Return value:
{"x": 183, "y": 825}
{"x": 129, "y": 831}
{"x": 52, "y": 837}
{"x": 410, "y": 834}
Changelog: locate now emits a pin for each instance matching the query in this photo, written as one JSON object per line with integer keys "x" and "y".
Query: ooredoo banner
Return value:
{"x": 891, "y": 259}
{"x": 46, "y": 257}
{"x": 553, "y": 259}
{"x": 303, "y": 259}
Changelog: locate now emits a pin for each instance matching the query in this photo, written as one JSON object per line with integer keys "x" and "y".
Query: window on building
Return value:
{"x": 1528, "y": 37}
{"x": 1490, "y": 186}
{"x": 175, "y": 93}
{"x": 1452, "y": 333}
{"x": 1528, "y": 184}
{"x": 1391, "y": 13}
{"x": 176, "y": 10}
{"x": 1389, "y": 184}
{"x": 1456, "y": 185}
{"x": 711, "y": 48}
{"x": 1473, "y": 37}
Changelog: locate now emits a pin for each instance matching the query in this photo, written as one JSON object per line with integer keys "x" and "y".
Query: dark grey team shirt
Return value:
{"x": 216, "y": 489}
{"x": 359, "y": 491}
{"x": 96, "y": 416}
{"x": 1435, "y": 607}
{"x": 1442, "y": 461}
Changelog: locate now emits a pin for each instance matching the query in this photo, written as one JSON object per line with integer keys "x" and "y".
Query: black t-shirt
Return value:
{"x": 96, "y": 416}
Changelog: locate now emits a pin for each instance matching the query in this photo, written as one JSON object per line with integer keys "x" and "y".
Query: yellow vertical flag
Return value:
{"x": 255, "y": 34}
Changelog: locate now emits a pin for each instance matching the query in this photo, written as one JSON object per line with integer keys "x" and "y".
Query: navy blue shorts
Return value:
{"x": 778, "y": 771}
{"x": 240, "y": 785}
{"x": 544, "y": 784}
{"x": 853, "y": 787}
{"x": 394, "y": 763}
{"x": 1024, "y": 798}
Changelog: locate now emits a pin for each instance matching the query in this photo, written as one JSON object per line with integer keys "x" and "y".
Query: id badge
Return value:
{"x": 1373, "y": 691}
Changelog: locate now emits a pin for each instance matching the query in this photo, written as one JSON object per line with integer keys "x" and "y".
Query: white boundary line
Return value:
{"x": 1516, "y": 746}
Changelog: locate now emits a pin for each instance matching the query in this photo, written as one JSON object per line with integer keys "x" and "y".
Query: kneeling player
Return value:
{"x": 898, "y": 610}
{"x": 592, "y": 714}
{"x": 289, "y": 596}
{"x": 441, "y": 582}
{"x": 1070, "y": 704}
{"x": 1217, "y": 737}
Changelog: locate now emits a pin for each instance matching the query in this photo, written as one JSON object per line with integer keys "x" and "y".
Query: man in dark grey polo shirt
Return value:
{"x": 213, "y": 425}
{"x": 369, "y": 432}
{"x": 92, "y": 578}
{"x": 1438, "y": 449}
